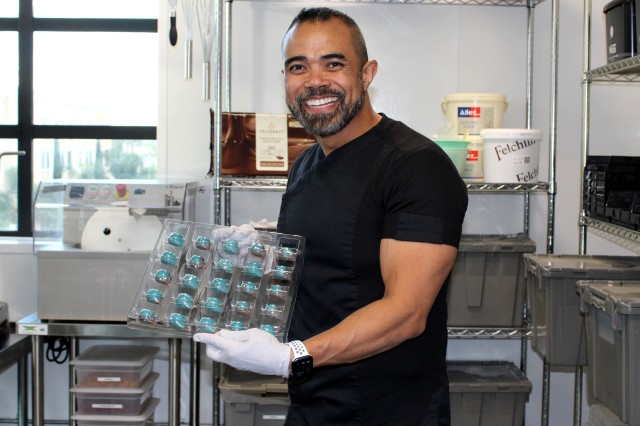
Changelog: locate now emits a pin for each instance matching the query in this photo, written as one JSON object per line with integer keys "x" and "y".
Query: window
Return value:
{"x": 78, "y": 96}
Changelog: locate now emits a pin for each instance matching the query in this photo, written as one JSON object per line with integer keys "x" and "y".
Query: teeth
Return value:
{"x": 320, "y": 102}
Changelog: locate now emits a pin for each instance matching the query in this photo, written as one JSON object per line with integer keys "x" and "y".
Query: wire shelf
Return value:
{"x": 625, "y": 237}
{"x": 517, "y": 3}
{"x": 489, "y": 333}
{"x": 624, "y": 71}
{"x": 265, "y": 183}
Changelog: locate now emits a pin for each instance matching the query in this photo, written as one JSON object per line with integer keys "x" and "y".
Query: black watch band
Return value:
{"x": 302, "y": 364}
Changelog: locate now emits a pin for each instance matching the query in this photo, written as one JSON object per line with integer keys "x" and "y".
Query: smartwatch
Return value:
{"x": 302, "y": 364}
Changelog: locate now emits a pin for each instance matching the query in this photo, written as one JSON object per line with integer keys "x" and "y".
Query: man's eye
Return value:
{"x": 296, "y": 69}
{"x": 334, "y": 65}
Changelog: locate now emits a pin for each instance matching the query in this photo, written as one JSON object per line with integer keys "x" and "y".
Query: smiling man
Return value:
{"x": 381, "y": 207}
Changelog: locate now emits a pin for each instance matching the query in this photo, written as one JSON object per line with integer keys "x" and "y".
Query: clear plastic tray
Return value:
{"x": 203, "y": 278}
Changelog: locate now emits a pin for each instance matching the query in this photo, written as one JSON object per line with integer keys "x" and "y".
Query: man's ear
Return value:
{"x": 369, "y": 71}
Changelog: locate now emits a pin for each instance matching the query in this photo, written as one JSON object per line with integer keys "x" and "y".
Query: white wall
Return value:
{"x": 425, "y": 52}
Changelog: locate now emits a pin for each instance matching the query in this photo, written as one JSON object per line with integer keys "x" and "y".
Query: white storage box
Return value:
{"x": 114, "y": 401}
{"x": 143, "y": 419}
{"x": 613, "y": 344}
{"x": 114, "y": 366}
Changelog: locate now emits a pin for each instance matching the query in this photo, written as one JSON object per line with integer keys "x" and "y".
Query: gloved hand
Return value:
{"x": 251, "y": 350}
{"x": 245, "y": 235}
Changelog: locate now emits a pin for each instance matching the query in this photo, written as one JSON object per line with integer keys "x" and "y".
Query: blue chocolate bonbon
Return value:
{"x": 184, "y": 301}
{"x": 196, "y": 261}
{"x": 268, "y": 328}
{"x": 231, "y": 247}
{"x": 237, "y": 325}
{"x": 213, "y": 304}
{"x": 225, "y": 265}
{"x": 147, "y": 316}
{"x": 190, "y": 281}
{"x": 248, "y": 287}
{"x": 176, "y": 239}
{"x": 154, "y": 296}
{"x": 177, "y": 320}
{"x": 258, "y": 249}
{"x": 163, "y": 276}
{"x": 168, "y": 258}
{"x": 220, "y": 285}
{"x": 241, "y": 305}
{"x": 203, "y": 243}
{"x": 253, "y": 269}
{"x": 207, "y": 324}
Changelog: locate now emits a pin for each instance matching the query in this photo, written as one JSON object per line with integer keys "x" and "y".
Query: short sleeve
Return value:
{"x": 423, "y": 196}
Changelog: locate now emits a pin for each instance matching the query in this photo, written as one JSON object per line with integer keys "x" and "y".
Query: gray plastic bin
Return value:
{"x": 613, "y": 341}
{"x": 487, "y": 393}
{"x": 558, "y": 326}
{"x": 252, "y": 399}
{"x": 486, "y": 288}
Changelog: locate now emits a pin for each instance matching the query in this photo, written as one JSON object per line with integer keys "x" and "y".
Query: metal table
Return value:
{"x": 16, "y": 349}
{"x": 38, "y": 329}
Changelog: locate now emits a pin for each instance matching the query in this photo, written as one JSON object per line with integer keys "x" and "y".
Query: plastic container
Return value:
{"x": 114, "y": 401}
{"x": 612, "y": 312}
{"x": 114, "y": 366}
{"x": 469, "y": 113}
{"x": 252, "y": 399}
{"x": 456, "y": 149}
{"x": 511, "y": 155}
{"x": 620, "y": 18}
{"x": 487, "y": 393}
{"x": 599, "y": 415}
{"x": 487, "y": 286}
{"x": 142, "y": 419}
{"x": 474, "y": 164}
{"x": 558, "y": 326}
{"x": 203, "y": 277}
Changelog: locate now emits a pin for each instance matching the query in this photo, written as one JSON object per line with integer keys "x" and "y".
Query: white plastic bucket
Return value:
{"x": 469, "y": 113}
{"x": 511, "y": 155}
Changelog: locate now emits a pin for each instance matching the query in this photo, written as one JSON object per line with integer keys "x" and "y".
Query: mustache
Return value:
{"x": 319, "y": 91}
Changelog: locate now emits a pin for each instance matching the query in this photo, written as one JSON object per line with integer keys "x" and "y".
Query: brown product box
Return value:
{"x": 259, "y": 144}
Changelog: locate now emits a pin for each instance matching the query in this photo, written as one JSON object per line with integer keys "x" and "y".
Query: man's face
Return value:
{"x": 323, "y": 80}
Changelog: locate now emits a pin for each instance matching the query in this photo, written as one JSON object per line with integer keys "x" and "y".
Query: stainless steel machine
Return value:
{"x": 93, "y": 240}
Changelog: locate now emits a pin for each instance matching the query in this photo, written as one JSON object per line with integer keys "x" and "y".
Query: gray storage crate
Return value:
{"x": 612, "y": 312}
{"x": 487, "y": 393}
{"x": 486, "y": 288}
{"x": 558, "y": 327}
{"x": 599, "y": 415}
{"x": 252, "y": 399}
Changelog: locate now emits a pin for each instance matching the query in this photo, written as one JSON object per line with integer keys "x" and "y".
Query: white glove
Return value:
{"x": 245, "y": 235}
{"x": 251, "y": 350}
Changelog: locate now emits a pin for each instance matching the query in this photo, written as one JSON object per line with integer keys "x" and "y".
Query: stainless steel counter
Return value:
{"x": 33, "y": 326}
{"x": 15, "y": 350}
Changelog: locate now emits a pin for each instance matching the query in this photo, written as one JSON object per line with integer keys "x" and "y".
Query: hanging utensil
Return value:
{"x": 173, "y": 31}
{"x": 207, "y": 21}
{"x": 189, "y": 9}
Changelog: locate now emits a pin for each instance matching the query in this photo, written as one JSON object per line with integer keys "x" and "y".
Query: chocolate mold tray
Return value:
{"x": 203, "y": 278}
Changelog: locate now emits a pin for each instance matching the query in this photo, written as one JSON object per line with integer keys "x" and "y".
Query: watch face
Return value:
{"x": 301, "y": 369}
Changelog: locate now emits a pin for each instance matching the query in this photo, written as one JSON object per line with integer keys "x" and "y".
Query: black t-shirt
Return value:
{"x": 394, "y": 183}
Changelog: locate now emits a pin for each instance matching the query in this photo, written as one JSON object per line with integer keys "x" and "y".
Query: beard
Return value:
{"x": 326, "y": 124}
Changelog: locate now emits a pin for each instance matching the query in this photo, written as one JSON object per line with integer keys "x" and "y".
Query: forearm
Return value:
{"x": 373, "y": 329}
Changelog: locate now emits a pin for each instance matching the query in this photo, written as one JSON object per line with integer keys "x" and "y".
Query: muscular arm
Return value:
{"x": 413, "y": 274}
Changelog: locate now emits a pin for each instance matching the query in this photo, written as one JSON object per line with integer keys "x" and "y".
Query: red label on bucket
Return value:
{"x": 472, "y": 155}
{"x": 469, "y": 112}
